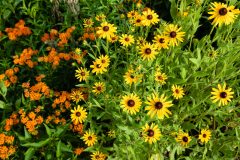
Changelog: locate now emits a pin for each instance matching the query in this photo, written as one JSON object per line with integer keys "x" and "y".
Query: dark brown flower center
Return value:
{"x": 90, "y": 138}
{"x": 98, "y": 66}
{"x": 185, "y": 139}
{"x": 149, "y": 17}
{"x": 105, "y": 28}
{"x": 177, "y": 91}
{"x": 78, "y": 114}
{"x": 150, "y": 133}
{"x": 173, "y": 34}
{"x": 138, "y": 20}
{"x": 222, "y": 11}
{"x": 204, "y": 135}
{"x": 99, "y": 88}
{"x": 223, "y": 94}
{"x": 103, "y": 61}
{"x": 82, "y": 73}
{"x": 132, "y": 76}
{"x": 131, "y": 103}
{"x": 161, "y": 40}
{"x": 158, "y": 105}
{"x": 160, "y": 77}
{"x": 148, "y": 51}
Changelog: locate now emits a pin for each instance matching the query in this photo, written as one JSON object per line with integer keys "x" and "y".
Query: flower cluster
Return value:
{"x": 19, "y": 30}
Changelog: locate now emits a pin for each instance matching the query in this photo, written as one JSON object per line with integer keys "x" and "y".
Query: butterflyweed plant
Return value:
{"x": 120, "y": 79}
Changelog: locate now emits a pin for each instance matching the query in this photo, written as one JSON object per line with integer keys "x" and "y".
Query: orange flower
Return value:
{"x": 39, "y": 120}
{"x": 78, "y": 151}
{"x": 3, "y": 152}
{"x": 13, "y": 79}
{"x": 2, "y": 138}
{"x": 32, "y": 115}
{"x": 9, "y": 72}
{"x": 7, "y": 83}
{"x": 9, "y": 139}
{"x": 2, "y": 76}
{"x": 26, "y": 85}
{"x": 30, "y": 125}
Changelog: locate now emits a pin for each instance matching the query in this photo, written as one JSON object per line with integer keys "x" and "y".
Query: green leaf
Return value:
{"x": 48, "y": 130}
{"x": 29, "y": 154}
{"x": 3, "y": 89}
{"x": 58, "y": 152}
{"x": 97, "y": 104}
{"x": 27, "y": 135}
{"x": 6, "y": 13}
{"x": 38, "y": 144}
{"x": 2, "y": 105}
{"x": 61, "y": 130}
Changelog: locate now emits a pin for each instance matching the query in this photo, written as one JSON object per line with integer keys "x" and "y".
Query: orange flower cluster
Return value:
{"x": 89, "y": 33}
{"x": 37, "y": 91}
{"x": 13, "y": 120}
{"x": 26, "y": 58}
{"x": 78, "y": 151}
{"x": 49, "y": 37}
{"x": 65, "y": 36}
{"x": 77, "y": 128}
{"x": 55, "y": 58}
{"x": 31, "y": 120}
{"x": 9, "y": 77}
{"x": 6, "y": 146}
{"x": 19, "y": 30}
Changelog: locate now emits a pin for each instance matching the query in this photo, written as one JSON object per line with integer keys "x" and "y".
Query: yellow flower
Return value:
{"x": 174, "y": 34}
{"x": 161, "y": 42}
{"x": 150, "y": 18}
{"x": 138, "y": 20}
{"x": 151, "y": 134}
{"x": 131, "y": 103}
{"x": 106, "y": 30}
{"x": 87, "y": 23}
{"x": 113, "y": 38}
{"x": 132, "y": 14}
{"x": 89, "y": 138}
{"x": 178, "y": 92}
{"x": 222, "y": 14}
{"x": 148, "y": 51}
{"x": 131, "y": 77}
{"x": 100, "y": 17}
{"x": 77, "y": 51}
{"x": 98, "y": 68}
{"x": 158, "y": 106}
{"x": 161, "y": 78}
{"x": 103, "y": 60}
{"x": 126, "y": 40}
{"x": 82, "y": 74}
{"x": 76, "y": 96}
{"x": 222, "y": 94}
{"x": 205, "y": 135}
{"x": 183, "y": 138}
{"x": 98, "y": 156}
{"x": 78, "y": 115}
{"x": 111, "y": 133}
{"x": 98, "y": 87}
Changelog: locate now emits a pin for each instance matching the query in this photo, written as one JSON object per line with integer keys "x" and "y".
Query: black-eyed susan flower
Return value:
{"x": 160, "y": 77}
{"x": 161, "y": 42}
{"x": 132, "y": 14}
{"x": 98, "y": 68}
{"x": 222, "y": 94}
{"x": 113, "y": 38}
{"x": 131, "y": 77}
{"x": 148, "y": 51}
{"x": 89, "y": 138}
{"x": 126, "y": 40}
{"x": 158, "y": 106}
{"x": 98, "y": 156}
{"x": 100, "y": 17}
{"x": 78, "y": 115}
{"x": 150, "y": 17}
{"x": 88, "y": 23}
{"x": 205, "y": 135}
{"x": 111, "y": 134}
{"x": 212, "y": 54}
{"x": 140, "y": 41}
{"x": 82, "y": 74}
{"x": 183, "y": 138}
{"x": 151, "y": 133}
{"x": 178, "y": 92}
{"x": 103, "y": 60}
{"x": 106, "y": 30}
{"x": 99, "y": 87}
{"x": 222, "y": 14}
{"x": 76, "y": 96}
{"x": 131, "y": 103}
{"x": 174, "y": 34}
{"x": 138, "y": 20}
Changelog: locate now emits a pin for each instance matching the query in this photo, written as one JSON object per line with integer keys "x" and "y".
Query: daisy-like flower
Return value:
{"x": 222, "y": 94}
{"x": 132, "y": 14}
{"x": 76, "y": 96}
{"x": 126, "y": 40}
{"x": 106, "y": 30}
{"x": 150, "y": 18}
{"x": 111, "y": 133}
{"x": 178, "y": 92}
{"x": 103, "y": 60}
{"x": 77, "y": 51}
{"x": 98, "y": 68}
{"x": 174, "y": 34}
{"x": 161, "y": 78}
{"x": 131, "y": 77}
{"x": 151, "y": 133}
{"x": 222, "y": 14}
{"x": 87, "y": 23}
{"x": 138, "y": 20}
{"x": 205, "y": 135}
{"x": 78, "y": 115}
{"x": 183, "y": 138}
{"x": 98, "y": 156}
{"x": 100, "y": 17}
{"x": 140, "y": 41}
{"x": 89, "y": 138}
{"x": 148, "y": 51}
{"x": 98, "y": 87}
{"x": 161, "y": 42}
{"x": 158, "y": 106}
{"x": 131, "y": 103}
{"x": 113, "y": 38}
{"x": 82, "y": 74}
